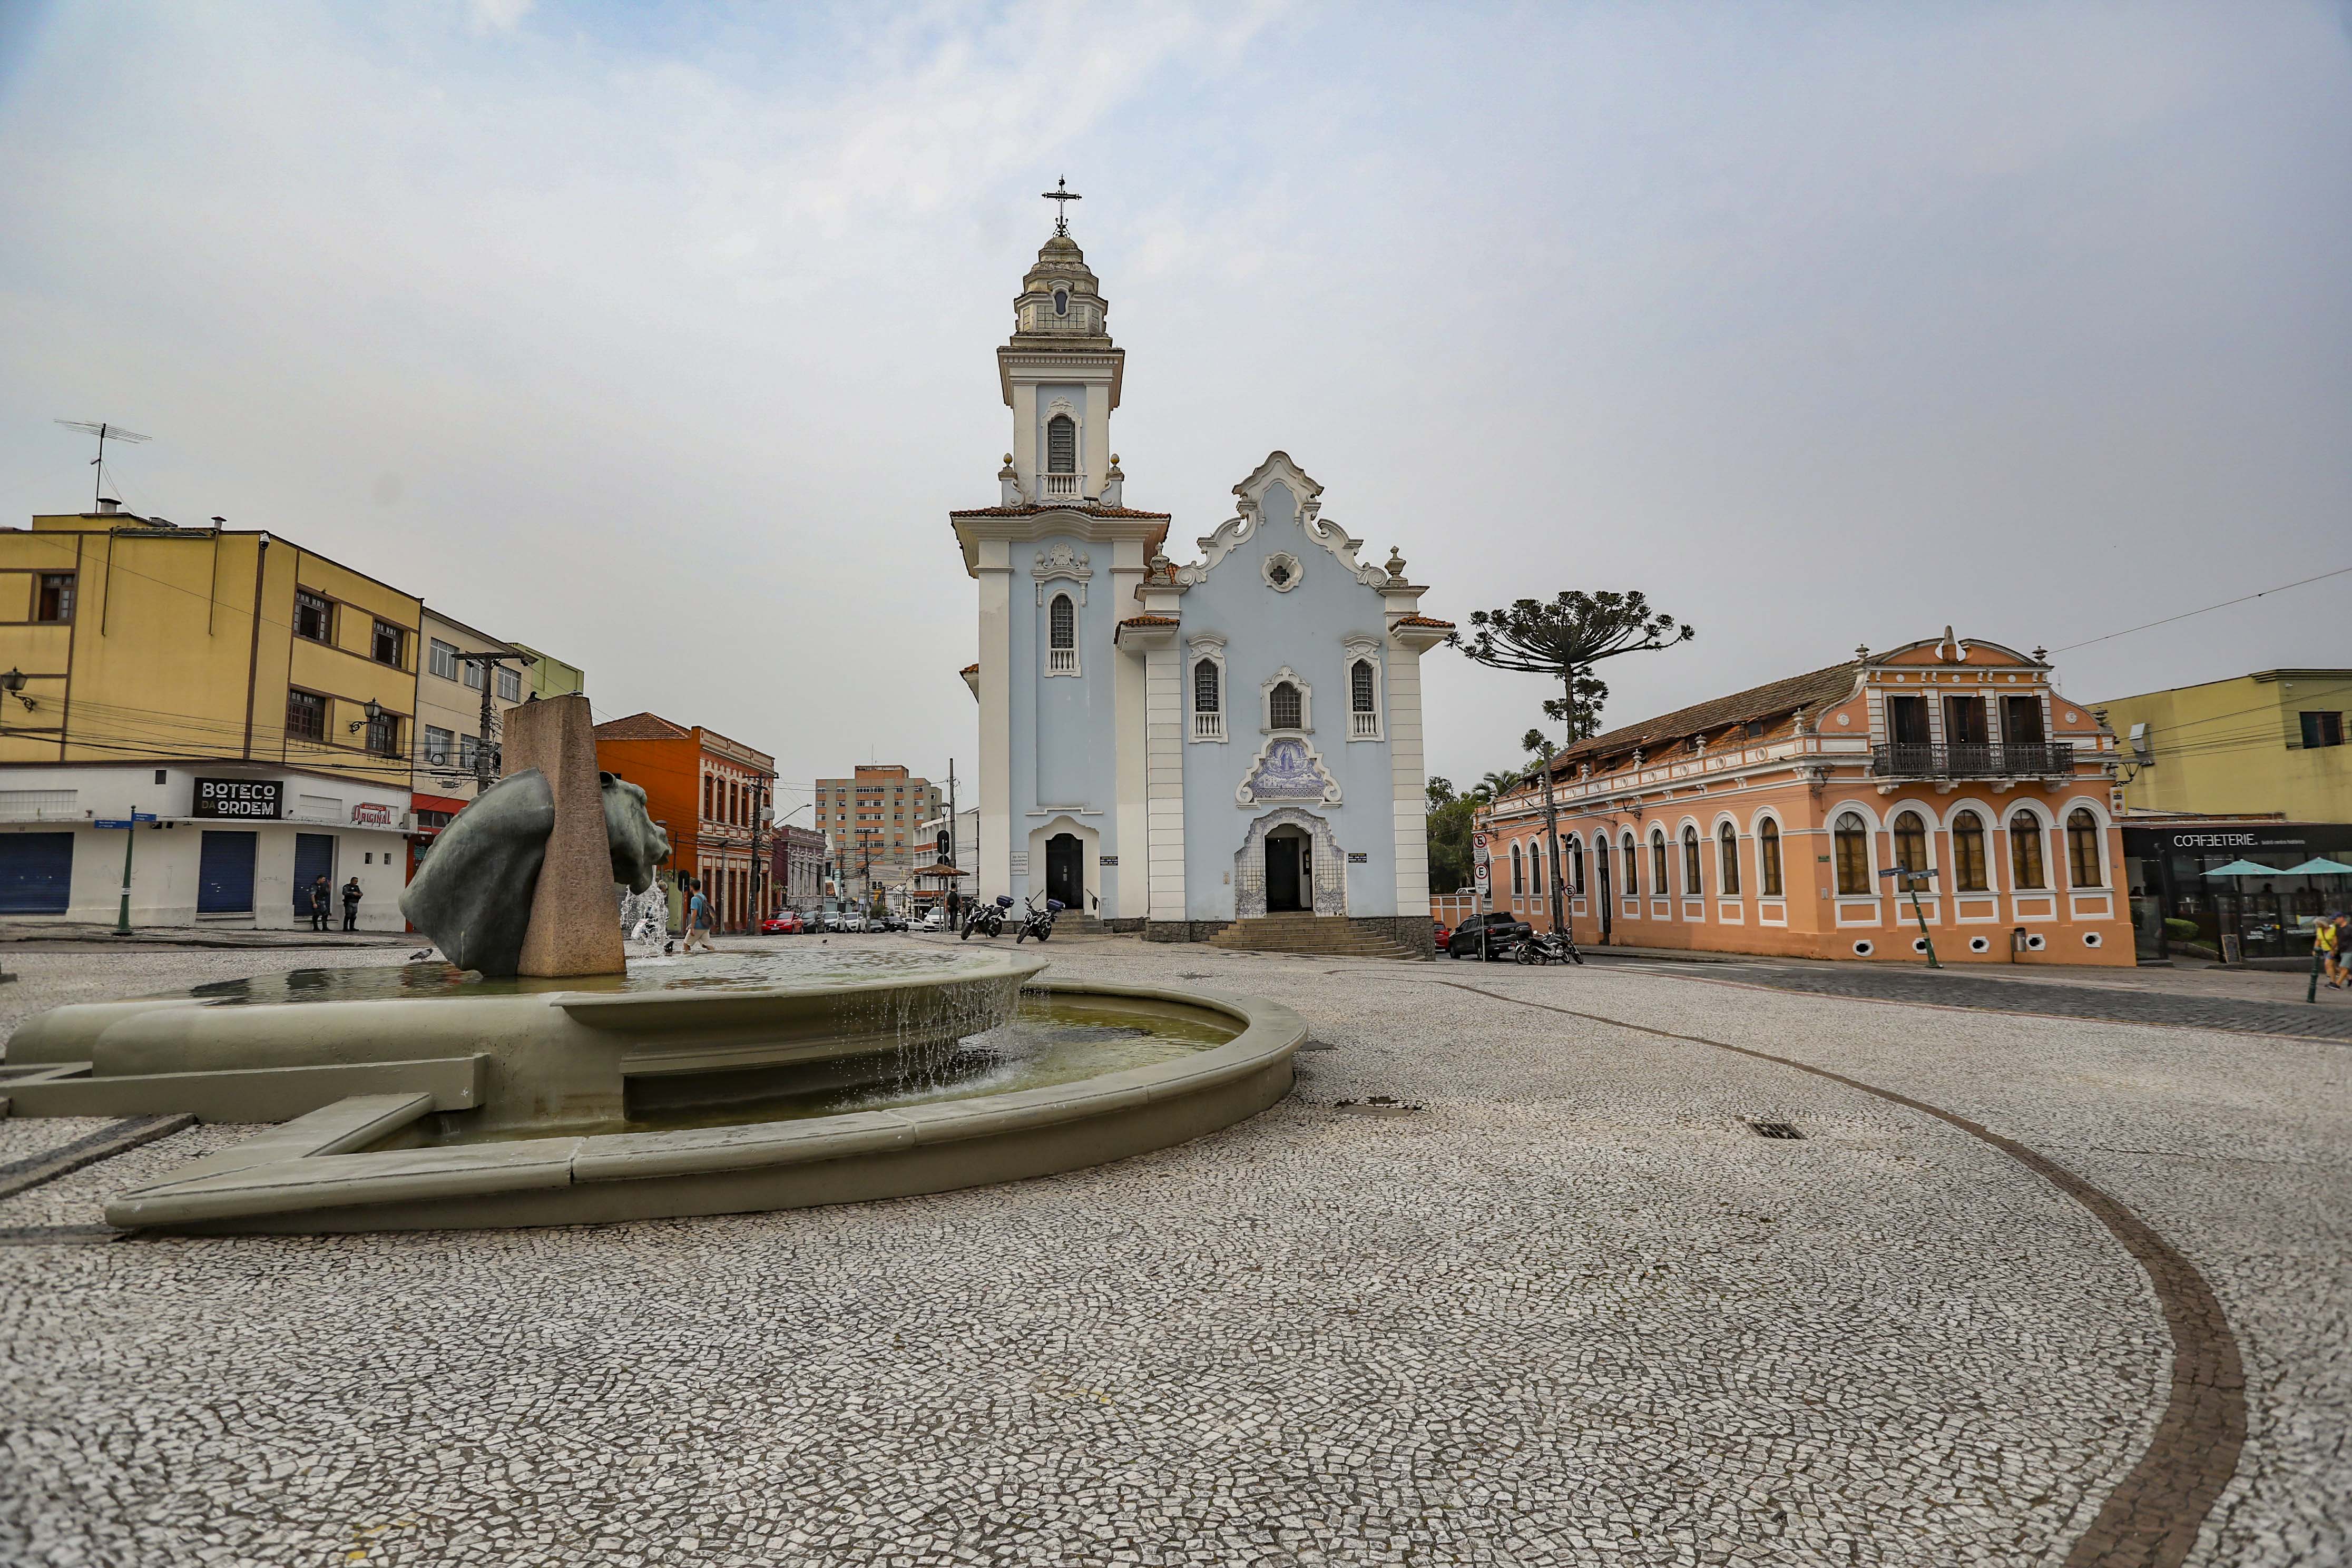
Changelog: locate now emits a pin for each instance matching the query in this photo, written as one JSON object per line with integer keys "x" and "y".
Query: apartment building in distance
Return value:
{"x": 874, "y": 821}
{"x": 246, "y": 704}
{"x": 713, "y": 795}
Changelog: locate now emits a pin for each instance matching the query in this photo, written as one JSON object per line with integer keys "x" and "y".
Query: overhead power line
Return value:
{"x": 2241, "y": 599}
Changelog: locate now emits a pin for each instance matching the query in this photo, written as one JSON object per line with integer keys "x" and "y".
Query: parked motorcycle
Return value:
{"x": 1040, "y": 922}
{"x": 1548, "y": 947}
{"x": 988, "y": 919}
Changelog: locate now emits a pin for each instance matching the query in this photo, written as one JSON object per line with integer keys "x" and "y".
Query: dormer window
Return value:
{"x": 1061, "y": 445}
{"x": 1061, "y": 302}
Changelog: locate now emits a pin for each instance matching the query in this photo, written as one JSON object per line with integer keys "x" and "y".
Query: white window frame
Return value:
{"x": 441, "y": 658}
{"x": 1371, "y": 725}
{"x": 1061, "y": 660}
{"x": 1199, "y": 650}
{"x": 506, "y": 675}
{"x": 1265, "y": 703}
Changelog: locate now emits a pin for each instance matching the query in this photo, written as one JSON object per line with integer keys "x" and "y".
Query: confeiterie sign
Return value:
{"x": 248, "y": 799}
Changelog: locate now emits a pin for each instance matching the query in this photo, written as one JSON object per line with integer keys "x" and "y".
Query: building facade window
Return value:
{"x": 383, "y": 734}
{"x": 1632, "y": 859}
{"x": 2318, "y": 729}
{"x": 2082, "y": 858}
{"x": 1692, "y": 887}
{"x": 314, "y": 616}
{"x": 1768, "y": 858}
{"x": 1283, "y": 709}
{"x": 1518, "y": 876}
{"x": 2026, "y": 870}
{"x": 438, "y": 744}
{"x": 441, "y": 660}
{"x": 1849, "y": 847}
{"x": 474, "y": 676}
{"x": 509, "y": 685}
{"x": 1658, "y": 863}
{"x": 1535, "y": 869}
{"x": 1968, "y": 853}
{"x": 306, "y": 716}
{"x": 1910, "y": 842}
{"x": 1061, "y": 445}
{"x": 1576, "y": 864}
{"x": 1062, "y": 636}
{"x": 389, "y": 645}
{"x": 1727, "y": 840}
{"x": 54, "y": 601}
{"x": 469, "y": 751}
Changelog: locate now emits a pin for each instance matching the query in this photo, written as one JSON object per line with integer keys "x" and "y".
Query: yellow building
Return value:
{"x": 551, "y": 677}
{"x": 2270, "y": 741}
{"x": 255, "y": 699}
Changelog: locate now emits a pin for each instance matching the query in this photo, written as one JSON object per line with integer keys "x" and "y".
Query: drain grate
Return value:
{"x": 1775, "y": 1130}
{"x": 1318, "y": 1046}
{"x": 1378, "y": 1105}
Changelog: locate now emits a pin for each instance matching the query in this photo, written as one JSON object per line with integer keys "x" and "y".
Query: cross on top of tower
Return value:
{"x": 1061, "y": 196}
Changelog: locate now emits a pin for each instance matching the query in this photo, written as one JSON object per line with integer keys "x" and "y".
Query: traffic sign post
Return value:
{"x": 1481, "y": 881}
{"x": 130, "y": 840}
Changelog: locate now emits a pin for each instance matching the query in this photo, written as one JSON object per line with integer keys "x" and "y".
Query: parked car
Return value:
{"x": 935, "y": 918}
{"x": 786, "y": 922}
{"x": 1504, "y": 932}
{"x": 889, "y": 920}
{"x": 1444, "y": 934}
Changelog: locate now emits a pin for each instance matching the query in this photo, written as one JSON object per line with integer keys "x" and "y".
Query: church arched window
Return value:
{"x": 1061, "y": 445}
{"x": 1061, "y": 302}
{"x": 1061, "y": 636}
{"x": 1206, "y": 696}
{"x": 1283, "y": 709}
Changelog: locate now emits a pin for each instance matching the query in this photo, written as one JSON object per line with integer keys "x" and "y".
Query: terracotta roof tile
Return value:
{"x": 1423, "y": 621}
{"x": 642, "y": 727}
{"x": 1059, "y": 506}
{"x": 973, "y": 668}
{"x": 1151, "y": 621}
{"x": 1776, "y": 701}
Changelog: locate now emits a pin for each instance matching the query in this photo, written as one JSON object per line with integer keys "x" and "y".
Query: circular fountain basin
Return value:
{"x": 519, "y": 1054}
{"x": 342, "y": 1168}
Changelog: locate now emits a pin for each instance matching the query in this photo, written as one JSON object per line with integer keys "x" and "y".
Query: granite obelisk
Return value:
{"x": 575, "y": 927}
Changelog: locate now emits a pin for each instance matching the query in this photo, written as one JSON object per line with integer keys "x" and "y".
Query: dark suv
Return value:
{"x": 1504, "y": 933}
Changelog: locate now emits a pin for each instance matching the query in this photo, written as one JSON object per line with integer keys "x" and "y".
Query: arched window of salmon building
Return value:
{"x": 1768, "y": 856}
{"x": 2025, "y": 852}
{"x": 1657, "y": 862}
{"x": 1910, "y": 842}
{"x": 1575, "y": 864}
{"x": 1968, "y": 853}
{"x": 1518, "y": 875}
{"x": 1535, "y": 867}
{"x": 1726, "y": 839}
{"x": 1633, "y": 888}
{"x": 1850, "y": 841}
{"x": 2083, "y": 848}
{"x": 1691, "y": 886}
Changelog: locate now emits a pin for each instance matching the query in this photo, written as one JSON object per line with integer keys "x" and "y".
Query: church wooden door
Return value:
{"x": 1065, "y": 876}
{"x": 1287, "y": 872}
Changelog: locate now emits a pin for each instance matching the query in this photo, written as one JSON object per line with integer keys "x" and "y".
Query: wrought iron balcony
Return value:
{"x": 1972, "y": 760}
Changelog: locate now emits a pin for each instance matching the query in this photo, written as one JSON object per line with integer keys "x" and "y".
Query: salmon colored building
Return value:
{"x": 1762, "y": 822}
{"x": 708, "y": 794}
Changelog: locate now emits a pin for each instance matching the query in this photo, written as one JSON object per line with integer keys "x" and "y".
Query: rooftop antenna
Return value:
{"x": 103, "y": 431}
{"x": 1061, "y": 195}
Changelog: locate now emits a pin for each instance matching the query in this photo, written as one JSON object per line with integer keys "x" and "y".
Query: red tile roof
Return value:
{"x": 1423, "y": 621}
{"x": 1151, "y": 621}
{"x": 973, "y": 668}
{"x": 642, "y": 727}
{"x": 1772, "y": 703}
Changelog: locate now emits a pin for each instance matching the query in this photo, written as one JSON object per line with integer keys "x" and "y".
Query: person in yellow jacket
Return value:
{"x": 2327, "y": 941}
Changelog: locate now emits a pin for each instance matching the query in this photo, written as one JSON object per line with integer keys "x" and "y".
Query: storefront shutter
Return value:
{"x": 36, "y": 873}
{"x": 314, "y": 857}
{"x": 225, "y": 873}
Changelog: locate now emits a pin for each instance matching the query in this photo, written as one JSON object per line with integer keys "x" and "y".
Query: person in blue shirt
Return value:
{"x": 697, "y": 920}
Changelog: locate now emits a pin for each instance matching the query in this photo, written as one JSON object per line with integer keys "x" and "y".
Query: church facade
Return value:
{"x": 1177, "y": 747}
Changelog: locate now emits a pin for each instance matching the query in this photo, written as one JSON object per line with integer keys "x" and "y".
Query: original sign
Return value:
{"x": 247, "y": 799}
{"x": 368, "y": 814}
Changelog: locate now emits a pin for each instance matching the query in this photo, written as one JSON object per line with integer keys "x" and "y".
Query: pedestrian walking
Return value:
{"x": 2327, "y": 941}
{"x": 697, "y": 920}
{"x": 322, "y": 896}
{"x": 351, "y": 896}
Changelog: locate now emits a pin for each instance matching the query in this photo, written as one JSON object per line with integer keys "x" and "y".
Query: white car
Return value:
{"x": 935, "y": 921}
{"x": 852, "y": 921}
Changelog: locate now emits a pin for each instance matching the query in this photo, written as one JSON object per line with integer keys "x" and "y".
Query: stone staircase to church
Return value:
{"x": 1333, "y": 935}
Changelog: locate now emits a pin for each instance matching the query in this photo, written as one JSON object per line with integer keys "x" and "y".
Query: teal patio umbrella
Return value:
{"x": 2318, "y": 866}
{"x": 2245, "y": 868}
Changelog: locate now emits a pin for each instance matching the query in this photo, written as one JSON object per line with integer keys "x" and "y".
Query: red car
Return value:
{"x": 788, "y": 923}
{"x": 1444, "y": 934}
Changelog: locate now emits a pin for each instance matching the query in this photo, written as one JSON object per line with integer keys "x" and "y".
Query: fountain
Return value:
{"x": 539, "y": 1077}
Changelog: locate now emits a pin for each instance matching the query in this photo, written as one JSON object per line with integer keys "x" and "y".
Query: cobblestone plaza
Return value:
{"x": 1511, "y": 1278}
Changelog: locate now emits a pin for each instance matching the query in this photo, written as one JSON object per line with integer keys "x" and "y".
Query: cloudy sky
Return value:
{"x": 661, "y": 338}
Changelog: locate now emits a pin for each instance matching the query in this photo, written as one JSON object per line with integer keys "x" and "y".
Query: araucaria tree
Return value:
{"x": 1563, "y": 639}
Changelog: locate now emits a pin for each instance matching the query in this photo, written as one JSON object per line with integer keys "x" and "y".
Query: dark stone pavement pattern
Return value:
{"x": 1570, "y": 1312}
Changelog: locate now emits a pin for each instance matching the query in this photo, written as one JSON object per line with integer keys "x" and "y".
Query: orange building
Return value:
{"x": 708, "y": 792}
{"x": 1764, "y": 821}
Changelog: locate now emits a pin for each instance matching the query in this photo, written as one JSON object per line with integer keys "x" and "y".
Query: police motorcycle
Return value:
{"x": 988, "y": 919}
{"x": 1040, "y": 922}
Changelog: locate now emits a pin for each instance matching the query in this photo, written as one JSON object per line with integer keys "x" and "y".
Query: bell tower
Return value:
{"x": 1060, "y": 375}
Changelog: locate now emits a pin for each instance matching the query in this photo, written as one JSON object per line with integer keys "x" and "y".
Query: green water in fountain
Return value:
{"x": 814, "y": 967}
{"x": 1052, "y": 1039}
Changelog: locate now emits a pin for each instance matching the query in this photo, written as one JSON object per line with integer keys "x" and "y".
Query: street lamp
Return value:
{"x": 1914, "y": 880}
{"x": 13, "y": 683}
{"x": 373, "y": 712}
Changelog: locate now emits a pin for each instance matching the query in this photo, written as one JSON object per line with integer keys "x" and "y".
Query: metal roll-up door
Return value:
{"x": 225, "y": 873}
{"x": 36, "y": 873}
{"x": 314, "y": 857}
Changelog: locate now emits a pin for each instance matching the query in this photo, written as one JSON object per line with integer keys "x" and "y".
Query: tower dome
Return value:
{"x": 1061, "y": 296}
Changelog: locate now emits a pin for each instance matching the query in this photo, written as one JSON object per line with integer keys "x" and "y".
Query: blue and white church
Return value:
{"x": 1187, "y": 750}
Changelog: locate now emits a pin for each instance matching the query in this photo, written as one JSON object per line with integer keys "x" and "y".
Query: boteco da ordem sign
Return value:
{"x": 250, "y": 799}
